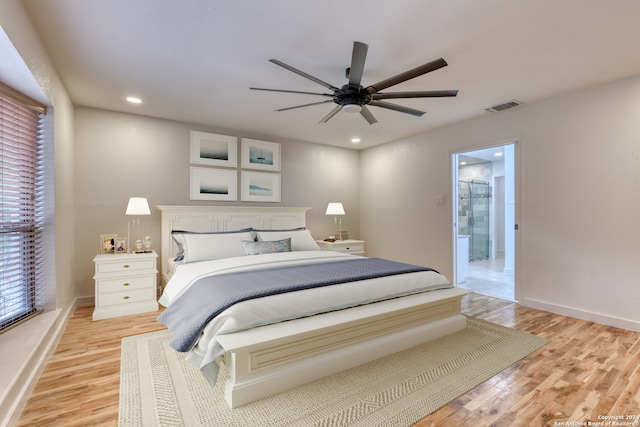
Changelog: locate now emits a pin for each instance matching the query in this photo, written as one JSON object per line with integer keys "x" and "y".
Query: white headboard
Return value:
{"x": 223, "y": 218}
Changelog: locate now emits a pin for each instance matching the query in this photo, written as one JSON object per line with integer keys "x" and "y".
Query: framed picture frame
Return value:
{"x": 213, "y": 150}
{"x": 120, "y": 245}
{"x": 214, "y": 184}
{"x": 107, "y": 243}
{"x": 260, "y": 187}
{"x": 263, "y": 155}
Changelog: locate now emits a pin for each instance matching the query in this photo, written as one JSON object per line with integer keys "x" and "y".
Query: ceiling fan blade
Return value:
{"x": 418, "y": 94}
{"x": 332, "y": 113}
{"x": 303, "y": 74}
{"x": 399, "y": 108}
{"x": 407, "y": 75}
{"x": 358, "y": 57}
{"x": 305, "y": 105}
{"x": 291, "y": 91}
{"x": 366, "y": 113}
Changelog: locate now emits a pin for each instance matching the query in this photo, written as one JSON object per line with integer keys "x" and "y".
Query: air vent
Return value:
{"x": 501, "y": 107}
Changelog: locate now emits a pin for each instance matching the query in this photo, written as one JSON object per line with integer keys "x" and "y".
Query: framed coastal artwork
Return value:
{"x": 260, "y": 187}
{"x": 263, "y": 155}
{"x": 214, "y": 150}
{"x": 214, "y": 184}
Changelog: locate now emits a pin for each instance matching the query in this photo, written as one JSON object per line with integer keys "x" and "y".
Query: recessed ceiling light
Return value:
{"x": 134, "y": 100}
{"x": 355, "y": 140}
{"x": 498, "y": 154}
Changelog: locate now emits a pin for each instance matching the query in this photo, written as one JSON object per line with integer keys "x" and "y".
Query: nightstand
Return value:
{"x": 355, "y": 247}
{"x": 125, "y": 284}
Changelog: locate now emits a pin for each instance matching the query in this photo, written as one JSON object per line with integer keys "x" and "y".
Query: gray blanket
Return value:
{"x": 187, "y": 316}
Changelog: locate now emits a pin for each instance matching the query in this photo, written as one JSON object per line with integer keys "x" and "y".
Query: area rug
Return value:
{"x": 159, "y": 388}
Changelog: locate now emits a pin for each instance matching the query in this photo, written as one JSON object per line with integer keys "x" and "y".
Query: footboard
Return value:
{"x": 274, "y": 358}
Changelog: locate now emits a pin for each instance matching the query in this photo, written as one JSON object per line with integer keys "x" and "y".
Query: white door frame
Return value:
{"x": 517, "y": 190}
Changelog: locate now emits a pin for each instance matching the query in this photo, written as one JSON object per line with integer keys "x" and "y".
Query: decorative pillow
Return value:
{"x": 268, "y": 247}
{"x": 202, "y": 246}
{"x": 301, "y": 239}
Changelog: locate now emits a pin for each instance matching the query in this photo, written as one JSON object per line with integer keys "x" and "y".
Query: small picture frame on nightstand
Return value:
{"x": 120, "y": 245}
{"x": 107, "y": 243}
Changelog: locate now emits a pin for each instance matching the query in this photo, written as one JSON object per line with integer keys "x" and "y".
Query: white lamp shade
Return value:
{"x": 334, "y": 209}
{"x": 138, "y": 206}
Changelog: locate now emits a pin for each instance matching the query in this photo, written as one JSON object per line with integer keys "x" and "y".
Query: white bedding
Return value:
{"x": 276, "y": 308}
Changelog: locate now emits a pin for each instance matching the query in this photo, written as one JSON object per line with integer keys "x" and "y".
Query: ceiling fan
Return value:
{"x": 353, "y": 97}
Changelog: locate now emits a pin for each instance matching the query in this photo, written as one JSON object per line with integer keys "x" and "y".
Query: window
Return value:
{"x": 20, "y": 207}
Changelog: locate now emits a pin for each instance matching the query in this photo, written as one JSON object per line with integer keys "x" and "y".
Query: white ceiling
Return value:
{"x": 194, "y": 60}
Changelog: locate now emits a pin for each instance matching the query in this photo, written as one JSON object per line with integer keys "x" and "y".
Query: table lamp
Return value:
{"x": 336, "y": 209}
{"x": 137, "y": 206}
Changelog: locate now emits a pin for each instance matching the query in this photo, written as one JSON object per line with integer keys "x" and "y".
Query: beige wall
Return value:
{"x": 580, "y": 197}
{"x": 122, "y": 155}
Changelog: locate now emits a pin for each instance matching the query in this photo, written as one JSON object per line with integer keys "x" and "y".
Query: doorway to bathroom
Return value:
{"x": 484, "y": 218}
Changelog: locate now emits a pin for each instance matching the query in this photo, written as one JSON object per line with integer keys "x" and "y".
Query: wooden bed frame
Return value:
{"x": 274, "y": 358}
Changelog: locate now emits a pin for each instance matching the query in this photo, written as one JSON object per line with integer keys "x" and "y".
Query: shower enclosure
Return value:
{"x": 473, "y": 216}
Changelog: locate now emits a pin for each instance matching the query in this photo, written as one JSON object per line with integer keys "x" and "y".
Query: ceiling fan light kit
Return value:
{"x": 354, "y": 98}
{"x": 352, "y": 108}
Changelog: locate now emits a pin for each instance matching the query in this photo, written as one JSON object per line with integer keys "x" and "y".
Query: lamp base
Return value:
{"x": 342, "y": 235}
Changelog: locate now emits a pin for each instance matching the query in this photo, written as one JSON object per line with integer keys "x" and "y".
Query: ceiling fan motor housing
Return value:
{"x": 351, "y": 95}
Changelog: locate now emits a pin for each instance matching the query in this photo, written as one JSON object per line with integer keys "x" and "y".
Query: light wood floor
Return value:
{"x": 587, "y": 370}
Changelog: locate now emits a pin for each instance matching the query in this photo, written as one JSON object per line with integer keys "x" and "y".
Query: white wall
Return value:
{"x": 580, "y": 225}
{"x": 121, "y": 155}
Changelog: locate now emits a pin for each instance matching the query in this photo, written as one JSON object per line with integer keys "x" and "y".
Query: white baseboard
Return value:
{"x": 27, "y": 348}
{"x": 581, "y": 314}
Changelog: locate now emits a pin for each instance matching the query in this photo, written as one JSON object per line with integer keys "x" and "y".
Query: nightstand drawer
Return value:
{"x": 351, "y": 248}
{"x": 125, "y": 297}
{"x": 126, "y": 284}
{"x": 126, "y": 265}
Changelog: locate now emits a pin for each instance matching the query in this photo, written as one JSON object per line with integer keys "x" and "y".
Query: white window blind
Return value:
{"x": 20, "y": 208}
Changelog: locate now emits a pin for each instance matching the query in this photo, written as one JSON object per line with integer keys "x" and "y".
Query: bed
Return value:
{"x": 285, "y": 336}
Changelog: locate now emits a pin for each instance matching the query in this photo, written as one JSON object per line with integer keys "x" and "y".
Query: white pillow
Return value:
{"x": 204, "y": 247}
{"x": 301, "y": 240}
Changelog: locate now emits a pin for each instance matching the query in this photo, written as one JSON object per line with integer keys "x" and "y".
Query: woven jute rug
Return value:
{"x": 159, "y": 388}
